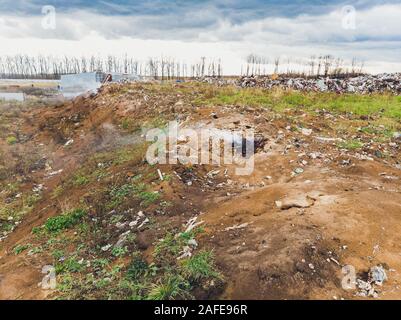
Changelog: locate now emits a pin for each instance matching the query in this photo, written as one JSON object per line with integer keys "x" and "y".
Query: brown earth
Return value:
{"x": 342, "y": 209}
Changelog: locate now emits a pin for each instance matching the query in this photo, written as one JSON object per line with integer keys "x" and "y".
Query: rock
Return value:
{"x": 300, "y": 201}
{"x": 306, "y": 132}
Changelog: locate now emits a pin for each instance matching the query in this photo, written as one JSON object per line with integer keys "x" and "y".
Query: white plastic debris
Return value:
{"x": 191, "y": 224}
{"x": 69, "y": 142}
{"x": 378, "y": 275}
{"x": 237, "y": 226}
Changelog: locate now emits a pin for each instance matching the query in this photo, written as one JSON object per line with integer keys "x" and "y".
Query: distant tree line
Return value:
{"x": 49, "y": 67}
{"x": 315, "y": 66}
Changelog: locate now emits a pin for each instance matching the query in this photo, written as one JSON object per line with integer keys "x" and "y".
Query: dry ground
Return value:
{"x": 342, "y": 208}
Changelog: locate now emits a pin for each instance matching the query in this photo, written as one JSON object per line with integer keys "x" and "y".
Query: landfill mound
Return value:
{"x": 317, "y": 218}
{"x": 363, "y": 84}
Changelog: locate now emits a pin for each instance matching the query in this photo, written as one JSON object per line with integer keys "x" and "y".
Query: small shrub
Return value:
{"x": 137, "y": 269}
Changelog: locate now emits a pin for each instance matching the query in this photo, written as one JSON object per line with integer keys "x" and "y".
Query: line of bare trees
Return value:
{"x": 323, "y": 65}
{"x": 49, "y": 67}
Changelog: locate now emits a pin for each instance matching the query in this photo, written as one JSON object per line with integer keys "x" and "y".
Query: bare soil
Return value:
{"x": 351, "y": 199}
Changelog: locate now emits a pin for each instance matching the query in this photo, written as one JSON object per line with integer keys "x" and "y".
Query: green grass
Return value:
{"x": 20, "y": 248}
{"x": 64, "y": 221}
{"x": 148, "y": 197}
{"x": 69, "y": 265}
{"x": 11, "y": 140}
{"x": 385, "y": 105}
{"x": 170, "y": 287}
{"x": 80, "y": 180}
{"x": 350, "y": 144}
{"x": 120, "y": 193}
{"x": 119, "y": 251}
{"x": 200, "y": 266}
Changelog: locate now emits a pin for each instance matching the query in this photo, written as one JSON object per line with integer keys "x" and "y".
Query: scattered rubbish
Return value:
{"x": 306, "y": 132}
{"x": 160, "y": 174}
{"x": 122, "y": 239}
{"x": 191, "y": 224}
{"x": 378, "y": 275}
{"x": 364, "y": 84}
{"x": 298, "y": 170}
{"x": 54, "y": 173}
{"x": 185, "y": 253}
{"x": 143, "y": 223}
{"x": 193, "y": 243}
{"x": 69, "y": 142}
{"x": 106, "y": 247}
{"x": 325, "y": 139}
{"x": 240, "y": 226}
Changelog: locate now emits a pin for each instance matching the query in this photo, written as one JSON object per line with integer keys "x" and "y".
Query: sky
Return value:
{"x": 230, "y": 30}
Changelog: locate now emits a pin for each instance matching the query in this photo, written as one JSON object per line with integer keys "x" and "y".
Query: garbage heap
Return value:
{"x": 363, "y": 84}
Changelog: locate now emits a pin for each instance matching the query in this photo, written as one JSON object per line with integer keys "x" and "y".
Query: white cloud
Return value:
{"x": 376, "y": 39}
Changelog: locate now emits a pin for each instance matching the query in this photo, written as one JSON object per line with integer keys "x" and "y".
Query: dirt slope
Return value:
{"x": 284, "y": 232}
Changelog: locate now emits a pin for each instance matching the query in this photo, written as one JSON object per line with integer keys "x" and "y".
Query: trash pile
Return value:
{"x": 377, "y": 275}
{"x": 364, "y": 84}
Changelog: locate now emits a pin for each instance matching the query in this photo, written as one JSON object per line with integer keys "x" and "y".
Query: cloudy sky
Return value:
{"x": 369, "y": 30}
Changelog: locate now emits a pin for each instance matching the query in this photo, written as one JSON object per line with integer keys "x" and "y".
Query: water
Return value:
{"x": 12, "y": 96}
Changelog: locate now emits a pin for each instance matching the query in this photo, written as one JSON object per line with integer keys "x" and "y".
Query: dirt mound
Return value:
{"x": 322, "y": 195}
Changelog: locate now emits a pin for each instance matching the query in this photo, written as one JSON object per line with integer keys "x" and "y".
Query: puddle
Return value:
{"x": 12, "y": 96}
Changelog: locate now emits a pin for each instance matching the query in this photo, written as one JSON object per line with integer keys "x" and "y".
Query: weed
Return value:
{"x": 58, "y": 254}
{"x": 137, "y": 269}
{"x": 148, "y": 197}
{"x": 200, "y": 266}
{"x": 80, "y": 180}
{"x": 119, "y": 251}
{"x": 20, "y": 248}
{"x": 170, "y": 287}
{"x": 350, "y": 144}
{"x": 58, "y": 191}
{"x": 69, "y": 265}
{"x": 64, "y": 221}
{"x": 100, "y": 263}
{"x": 11, "y": 140}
